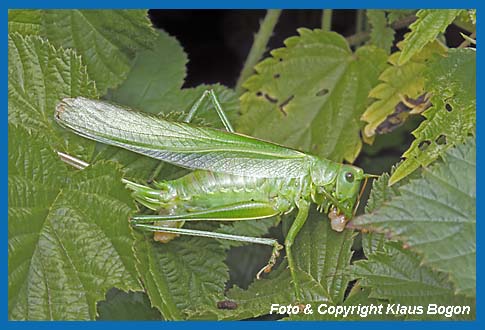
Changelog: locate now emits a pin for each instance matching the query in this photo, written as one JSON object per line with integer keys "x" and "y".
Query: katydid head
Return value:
{"x": 347, "y": 188}
{"x": 349, "y": 198}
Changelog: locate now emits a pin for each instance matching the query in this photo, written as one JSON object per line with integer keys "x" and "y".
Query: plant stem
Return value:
{"x": 259, "y": 46}
{"x": 360, "y": 37}
{"x": 359, "y": 24}
{"x": 327, "y": 19}
{"x": 467, "y": 42}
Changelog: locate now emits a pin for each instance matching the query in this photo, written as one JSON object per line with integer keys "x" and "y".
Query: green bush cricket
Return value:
{"x": 236, "y": 177}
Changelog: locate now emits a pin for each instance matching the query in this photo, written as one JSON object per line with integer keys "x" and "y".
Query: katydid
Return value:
{"x": 236, "y": 177}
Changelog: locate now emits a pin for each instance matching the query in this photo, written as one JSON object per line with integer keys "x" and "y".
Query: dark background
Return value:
{"x": 218, "y": 41}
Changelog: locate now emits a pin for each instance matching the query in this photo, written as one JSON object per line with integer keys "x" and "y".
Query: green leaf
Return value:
{"x": 398, "y": 14}
{"x": 381, "y": 34}
{"x": 184, "y": 275}
{"x": 69, "y": 240}
{"x": 157, "y": 74}
{"x": 387, "y": 259}
{"x": 107, "y": 40}
{"x": 466, "y": 20}
{"x": 257, "y": 300}
{"x": 398, "y": 275}
{"x": 324, "y": 255}
{"x": 429, "y": 24}
{"x": 310, "y": 95}
{"x": 121, "y": 305}
{"x": 452, "y": 117}
{"x": 398, "y": 82}
{"x": 39, "y": 75}
{"x": 322, "y": 273}
{"x": 155, "y": 81}
{"x": 357, "y": 297}
{"x": 24, "y": 22}
{"x": 380, "y": 193}
{"x": 435, "y": 215}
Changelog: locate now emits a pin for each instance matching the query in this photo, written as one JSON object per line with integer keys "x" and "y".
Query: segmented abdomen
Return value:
{"x": 203, "y": 189}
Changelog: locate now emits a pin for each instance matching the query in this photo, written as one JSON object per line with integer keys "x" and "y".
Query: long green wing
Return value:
{"x": 180, "y": 143}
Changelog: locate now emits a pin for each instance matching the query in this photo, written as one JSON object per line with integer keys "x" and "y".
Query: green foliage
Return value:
{"x": 24, "y": 22}
{"x": 295, "y": 94}
{"x": 106, "y": 39}
{"x": 397, "y": 275}
{"x": 322, "y": 274}
{"x": 435, "y": 216}
{"x": 398, "y": 14}
{"x": 429, "y": 24}
{"x": 68, "y": 238}
{"x": 73, "y": 255}
{"x": 127, "y": 306}
{"x": 154, "y": 85}
{"x": 452, "y": 118}
{"x": 39, "y": 75}
{"x": 178, "y": 283}
{"x": 381, "y": 34}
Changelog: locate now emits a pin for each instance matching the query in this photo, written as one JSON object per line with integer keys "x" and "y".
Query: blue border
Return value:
{"x": 244, "y": 4}
{"x": 240, "y": 4}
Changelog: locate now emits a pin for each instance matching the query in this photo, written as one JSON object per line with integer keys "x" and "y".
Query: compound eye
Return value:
{"x": 349, "y": 176}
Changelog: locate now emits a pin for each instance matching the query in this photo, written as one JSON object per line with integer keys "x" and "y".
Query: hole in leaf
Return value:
{"x": 441, "y": 140}
{"x": 280, "y": 59}
{"x": 285, "y": 103}
{"x": 322, "y": 92}
{"x": 276, "y": 75}
{"x": 271, "y": 99}
{"x": 448, "y": 107}
{"x": 423, "y": 145}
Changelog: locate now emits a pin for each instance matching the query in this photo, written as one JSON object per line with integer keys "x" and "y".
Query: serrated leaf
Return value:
{"x": 39, "y": 75}
{"x": 380, "y": 193}
{"x": 310, "y": 94}
{"x": 184, "y": 275}
{"x": 25, "y": 22}
{"x": 429, "y": 24}
{"x": 381, "y": 34}
{"x": 397, "y": 14}
{"x": 398, "y": 82}
{"x": 106, "y": 39}
{"x": 452, "y": 117}
{"x": 472, "y": 14}
{"x": 257, "y": 300}
{"x": 322, "y": 257}
{"x": 121, "y": 305}
{"x": 69, "y": 240}
{"x": 435, "y": 215}
{"x": 398, "y": 275}
{"x": 156, "y": 75}
{"x": 155, "y": 81}
{"x": 357, "y": 297}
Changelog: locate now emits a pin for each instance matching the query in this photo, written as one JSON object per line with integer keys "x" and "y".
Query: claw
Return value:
{"x": 272, "y": 261}
{"x": 266, "y": 269}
